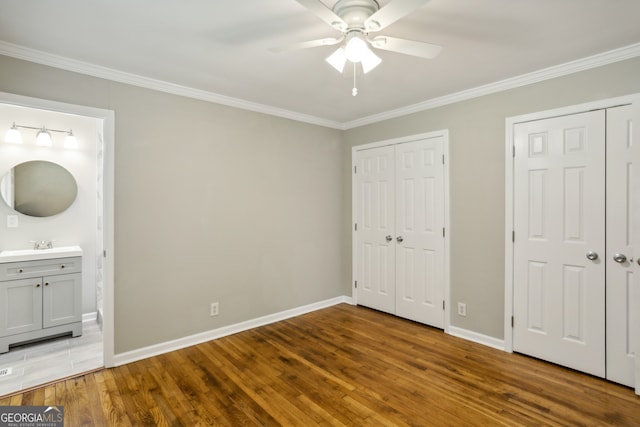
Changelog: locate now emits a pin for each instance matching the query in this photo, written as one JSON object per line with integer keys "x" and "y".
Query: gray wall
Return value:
{"x": 211, "y": 204}
{"x": 219, "y": 204}
{"x": 477, "y": 181}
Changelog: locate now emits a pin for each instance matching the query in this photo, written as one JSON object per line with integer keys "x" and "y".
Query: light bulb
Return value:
{"x": 70, "y": 141}
{"x": 355, "y": 49}
{"x": 44, "y": 138}
{"x": 13, "y": 135}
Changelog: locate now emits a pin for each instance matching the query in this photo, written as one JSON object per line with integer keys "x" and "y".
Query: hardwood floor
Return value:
{"x": 343, "y": 365}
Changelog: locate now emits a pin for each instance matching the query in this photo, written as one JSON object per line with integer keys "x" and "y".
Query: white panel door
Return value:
{"x": 559, "y": 218}
{"x": 622, "y": 331}
{"x": 375, "y": 218}
{"x": 419, "y": 229}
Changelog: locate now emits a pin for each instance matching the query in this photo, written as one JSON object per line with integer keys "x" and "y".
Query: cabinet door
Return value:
{"x": 61, "y": 300}
{"x": 20, "y": 306}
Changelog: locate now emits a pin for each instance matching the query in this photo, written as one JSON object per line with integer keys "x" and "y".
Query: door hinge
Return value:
{"x": 513, "y": 151}
{"x": 512, "y": 321}
{"x": 443, "y": 159}
{"x": 355, "y": 169}
{"x": 356, "y": 283}
{"x": 443, "y": 234}
{"x": 104, "y": 253}
{"x": 355, "y": 226}
{"x": 513, "y": 236}
{"x": 443, "y": 304}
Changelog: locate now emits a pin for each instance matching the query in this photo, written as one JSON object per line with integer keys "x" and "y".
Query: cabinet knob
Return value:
{"x": 62, "y": 266}
{"x": 46, "y": 284}
{"x": 20, "y": 271}
{"x": 37, "y": 285}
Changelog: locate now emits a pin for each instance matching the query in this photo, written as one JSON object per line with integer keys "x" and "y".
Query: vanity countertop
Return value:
{"x": 36, "y": 254}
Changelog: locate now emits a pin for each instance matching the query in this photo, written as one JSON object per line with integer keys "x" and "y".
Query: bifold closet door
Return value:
{"x": 399, "y": 204}
{"x": 573, "y": 252}
{"x": 375, "y": 222}
{"x": 622, "y": 294}
{"x": 419, "y": 226}
{"x": 559, "y": 247}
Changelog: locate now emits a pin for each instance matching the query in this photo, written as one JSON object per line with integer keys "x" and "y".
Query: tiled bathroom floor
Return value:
{"x": 46, "y": 361}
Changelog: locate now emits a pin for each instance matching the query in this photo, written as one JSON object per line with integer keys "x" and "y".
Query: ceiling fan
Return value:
{"x": 356, "y": 20}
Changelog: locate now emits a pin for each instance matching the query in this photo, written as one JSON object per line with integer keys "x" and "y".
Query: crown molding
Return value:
{"x": 583, "y": 64}
{"x": 44, "y": 58}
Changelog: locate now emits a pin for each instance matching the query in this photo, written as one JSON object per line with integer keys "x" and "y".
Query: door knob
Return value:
{"x": 389, "y": 238}
{"x": 620, "y": 258}
{"x": 399, "y": 239}
{"x": 592, "y": 255}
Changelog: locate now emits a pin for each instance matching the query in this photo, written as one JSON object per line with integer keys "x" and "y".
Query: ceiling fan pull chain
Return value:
{"x": 354, "y": 92}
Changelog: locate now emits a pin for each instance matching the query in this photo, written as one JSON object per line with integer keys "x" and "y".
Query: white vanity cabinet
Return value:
{"x": 39, "y": 299}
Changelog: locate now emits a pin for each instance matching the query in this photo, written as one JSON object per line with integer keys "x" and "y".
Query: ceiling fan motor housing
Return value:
{"x": 355, "y": 12}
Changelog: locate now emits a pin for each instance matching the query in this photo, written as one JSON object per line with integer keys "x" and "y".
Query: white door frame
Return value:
{"x": 634, "y": 100}
{"x": 436, "y": 134}
{"x": 108, "y": 133}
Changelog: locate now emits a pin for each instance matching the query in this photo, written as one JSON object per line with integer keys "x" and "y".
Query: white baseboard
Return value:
{"x": 166, "y": 347}
{"x": 477, "y": 338}
{"x": 89, "y": 317}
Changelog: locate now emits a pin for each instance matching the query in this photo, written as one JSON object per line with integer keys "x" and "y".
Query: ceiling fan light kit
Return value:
{"x": 355, "y": 19}
{"x": 337, "y": 59}
{"x": 355, "y": 47}
{"x": 355, "y": 50}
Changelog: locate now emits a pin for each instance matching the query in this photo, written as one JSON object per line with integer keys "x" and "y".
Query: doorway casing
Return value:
{"x": 444, "y": 135}
{"x": 107, "y": 117}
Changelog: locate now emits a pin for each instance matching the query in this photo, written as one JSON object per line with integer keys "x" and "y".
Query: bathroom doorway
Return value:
{"x": 87, "y": 223}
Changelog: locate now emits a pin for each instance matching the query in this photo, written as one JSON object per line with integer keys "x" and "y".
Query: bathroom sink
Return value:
{"x": 34, "y": 254}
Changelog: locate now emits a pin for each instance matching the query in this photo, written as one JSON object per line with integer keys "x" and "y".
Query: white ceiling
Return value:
{"x": 222, "y": 46}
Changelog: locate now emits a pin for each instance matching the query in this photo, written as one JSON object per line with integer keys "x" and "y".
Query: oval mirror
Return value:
{"x": 39, "y": 188}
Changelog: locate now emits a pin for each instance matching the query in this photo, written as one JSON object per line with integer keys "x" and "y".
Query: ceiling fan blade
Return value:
{"x": 390, "y": 13}
{"x": 324, "y": 13}
{"x": 408, "y": 47}
{"x": 306, "y": 45}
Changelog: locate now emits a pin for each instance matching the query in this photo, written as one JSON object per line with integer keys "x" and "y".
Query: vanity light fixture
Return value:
{"x": 43, "y": 137}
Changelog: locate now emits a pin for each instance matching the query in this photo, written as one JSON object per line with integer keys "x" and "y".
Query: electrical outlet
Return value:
{"x": 12, "y": 221}
{"x": 215, "y": 309}
{"x": 462, "y": 309}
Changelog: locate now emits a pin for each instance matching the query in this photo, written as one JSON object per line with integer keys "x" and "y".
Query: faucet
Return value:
{"x": 42, "y": 244}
